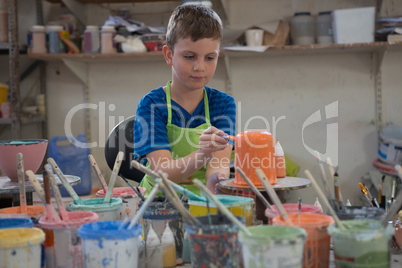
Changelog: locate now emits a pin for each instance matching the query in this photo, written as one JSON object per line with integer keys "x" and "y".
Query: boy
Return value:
{"x": 179, "y": 127}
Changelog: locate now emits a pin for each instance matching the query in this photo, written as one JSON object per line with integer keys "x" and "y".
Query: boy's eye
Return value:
{"x": 210, "y": 58}
{"x": 188, "y": 56}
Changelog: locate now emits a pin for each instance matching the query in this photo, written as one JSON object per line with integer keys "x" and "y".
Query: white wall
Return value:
{"x": 269, "y": 86}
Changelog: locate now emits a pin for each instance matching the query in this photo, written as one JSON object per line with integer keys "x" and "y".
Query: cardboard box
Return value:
{"x": 354, "y": 25}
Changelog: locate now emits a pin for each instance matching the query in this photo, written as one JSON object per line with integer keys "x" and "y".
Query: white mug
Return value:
{"x": 254, "y": 37}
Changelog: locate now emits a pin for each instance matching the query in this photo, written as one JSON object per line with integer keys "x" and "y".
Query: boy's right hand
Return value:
{"x": 211, "y": 141}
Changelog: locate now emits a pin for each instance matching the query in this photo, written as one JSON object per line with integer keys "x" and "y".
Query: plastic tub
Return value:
{"x": 272, "y": 246}
{"x": 292, "y": 208}
{"x": 106, "y": 211}
{"x": 323, "y": 26}
{"x": 15, "y": 223}
{"x": 63, "y": 248}
{"x": 214, "y": 243}
{"x": 21, "y": 247}
{"x": 104, "y": 245}
{"x": 363, "y": 244}
{"x": 34, "y": 213}
{"x": 302, "y": 28}
{"x": 238, "y": 205}
{"x": 316, "y": 247}
{"x": 129, "y": 199}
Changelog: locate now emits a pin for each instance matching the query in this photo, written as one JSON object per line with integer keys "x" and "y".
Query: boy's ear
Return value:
{"x": 168, "y": 54}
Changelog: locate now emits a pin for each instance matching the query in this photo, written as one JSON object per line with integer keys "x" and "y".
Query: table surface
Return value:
{"x": 9, "y": 187}
{"x": 283, "y": 184}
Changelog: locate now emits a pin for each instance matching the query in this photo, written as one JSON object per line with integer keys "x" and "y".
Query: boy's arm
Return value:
{"x": 218, "y": 168}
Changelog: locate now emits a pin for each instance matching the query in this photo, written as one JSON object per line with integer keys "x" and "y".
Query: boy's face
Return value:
{"x": 193, "y": 63}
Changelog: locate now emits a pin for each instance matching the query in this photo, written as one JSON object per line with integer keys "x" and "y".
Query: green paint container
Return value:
{"x": 273, "y": 246}
{"x": 362, "y": 244}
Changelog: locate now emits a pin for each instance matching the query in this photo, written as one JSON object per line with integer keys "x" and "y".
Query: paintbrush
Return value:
{"x": 174, "y": 199}
{"x": 324, "y": 179}
{"x": 21, "y": 183}
{"x": 115, "y": 173}
{"x": 395, "y": 206}
{"x": 324, "y": 199}
{"x": 365, "y": 193}
{"x": 38, "y": 188}
{"x": 252, "y": 186}
{"x": 299, "y": 210}
{"x": 393, "y": 191}
{"x": 144, "y": 205}
{"x": 64, "y": 181}
{"x": 272, "y": 194}
{"x": 209, "y": 213}
{"x": 335, "y": 176}
{"x": 49, "y": 211}
{"x": 56, "y": 193}
{"x": 226, "y": 137}
{"x": 97, "y": 172}
{"x": 221, "y": 207}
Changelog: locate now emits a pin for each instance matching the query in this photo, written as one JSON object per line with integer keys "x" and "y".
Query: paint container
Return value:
{"x": 273, "y": 246}
{"x": 159, "y": 212}
{"x": 21, "y": 247}
{"x": 316, "y": 247}
{"x": 91, "y": 39}
{"x": 106, "y": 211}
{"x": 238, "y": 205}
{"x": 363, "y": 243}
{"x": 104, "y": 245}
{"x": 34, "y": 213}
{"x": 214, "y": 243}
{"x": 15, "y": 223}
{"x": 361, "y": 213}
{"x": 63, "y": 247}
{"x": 292, "y": 208}
{"x": 54, "y": 42}
{"x": 398, "y": 231}
{"x": 129, "y": 199}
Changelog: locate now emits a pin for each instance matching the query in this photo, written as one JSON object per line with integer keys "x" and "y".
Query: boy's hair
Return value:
{"x": 194, "y": 21}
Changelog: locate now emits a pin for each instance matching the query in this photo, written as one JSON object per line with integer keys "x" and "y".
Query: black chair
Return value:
{"x": 121, "y": 138}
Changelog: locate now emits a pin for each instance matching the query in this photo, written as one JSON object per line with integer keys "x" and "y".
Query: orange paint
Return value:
{"x": 255, "y": 149}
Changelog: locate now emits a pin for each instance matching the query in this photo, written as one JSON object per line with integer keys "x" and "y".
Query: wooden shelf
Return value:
{"x": 280, "y": 50}
{"x": 4, "y": 46}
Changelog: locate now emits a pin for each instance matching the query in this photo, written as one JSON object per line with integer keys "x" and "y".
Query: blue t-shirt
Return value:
{"x": 151, "y": 118}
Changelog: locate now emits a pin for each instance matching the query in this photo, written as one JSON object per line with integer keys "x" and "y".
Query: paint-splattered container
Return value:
{"x": 273, "y": 246}
{"x": 34, "y": 213}
{"x": 15, "y": 223}
{"x": 361, "y": 213}
{"x": 316, "y": 247}
{"x": 157, "y": 214}
{"x": 106, "y": 211}
{"x": 362, "y": 244}
{"x": 129, "y": 199}
{"x": 238, "y": 205}
{"x": 214, "y": 243}
{"x": 104, "y": 245}
{"x": 292, "y": 208}
{"x": 63, "y": 247}
{"x": 21, "y": 247}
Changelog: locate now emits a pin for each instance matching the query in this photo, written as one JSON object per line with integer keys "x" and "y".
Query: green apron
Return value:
{"x": 183, "y": 141}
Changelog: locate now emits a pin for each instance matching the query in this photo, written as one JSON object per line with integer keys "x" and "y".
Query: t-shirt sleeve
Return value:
{"x": 225, "y": 118}
{"x": 150, "y": 132}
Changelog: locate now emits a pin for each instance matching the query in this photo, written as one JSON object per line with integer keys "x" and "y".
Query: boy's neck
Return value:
{"x": 187, "y": 99}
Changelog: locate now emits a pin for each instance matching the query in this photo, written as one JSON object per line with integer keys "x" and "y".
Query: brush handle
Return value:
{"x": 56, "y": 193}
{"x": 134, "y": 189}
{"x": 144, "y": 206}
{"x": 36, "y": 185}
{"x": 98, "y": 172}
{"x": 226, "y": 137}
{"x": 63, "y": 179}
{"x": 144, "y": 169}
{"x": 252, "y": 186}
{"x": 51, "y": 213}
{"x": 323, "y": 198}
{"x": 272, "y": 194}
{"x": 21, "y": 183}
{"x": 113, "y": 177}
{"x": 221, "y": 207}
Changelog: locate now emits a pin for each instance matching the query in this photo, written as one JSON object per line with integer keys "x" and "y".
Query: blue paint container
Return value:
{"x": 16, "y": 223}
{"x": 104, "y": 245}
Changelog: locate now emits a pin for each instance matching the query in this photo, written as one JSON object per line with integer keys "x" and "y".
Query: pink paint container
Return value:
{"x": 292, "y": 208}
{"x": 129, "y": 199}
{"x": 63, "y": 247}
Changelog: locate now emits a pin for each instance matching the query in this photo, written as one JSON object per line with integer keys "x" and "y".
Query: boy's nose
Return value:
{"x": 199, "y": 66}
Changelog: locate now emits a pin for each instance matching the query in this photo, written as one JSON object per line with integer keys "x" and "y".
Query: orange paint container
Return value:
{"x": 255, "y": 149}
{"x": 33, "y": 212}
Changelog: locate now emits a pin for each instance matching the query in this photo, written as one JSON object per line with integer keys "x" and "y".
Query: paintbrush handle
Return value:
{"x": 272, "y": 194}
{"x": 63, "y": 179}
{"x": 226, "y": 137}
{"x": 134, "y": 189}
{"x": 52, "y": 214}
{"x": 56, "y": 192}
{"x": 144, "y": 169}
{"x": 144, "y": 206}
{"x": 98, "y": 172}
{"x": 323, "y": 198}
{"x": 46, "y": 186}
{"x": 221, "y": 207}
{"x": 252, "y": 186}
{"x": 21, "y": 183}
{"x": 115, "y": 173}
{"x": 36, "y": 185}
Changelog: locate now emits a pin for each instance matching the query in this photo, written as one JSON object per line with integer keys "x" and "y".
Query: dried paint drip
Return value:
{"x": 160, "y": 212}
{"x": 216, "y": 244}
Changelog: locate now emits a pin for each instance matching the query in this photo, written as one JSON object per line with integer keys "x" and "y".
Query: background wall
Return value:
{"x": 269, "y": 86}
